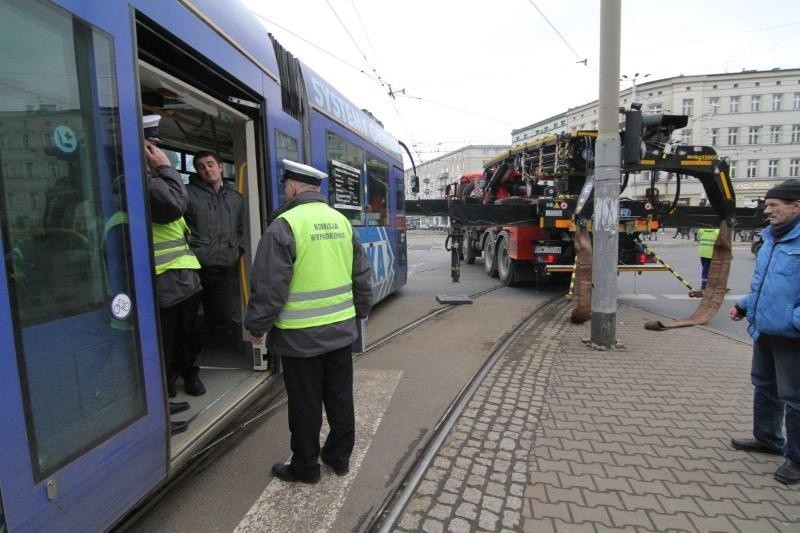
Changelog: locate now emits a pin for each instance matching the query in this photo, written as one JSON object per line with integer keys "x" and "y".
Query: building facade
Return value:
{"x": 750, "y": 117}
{"x": 435, "y": 174}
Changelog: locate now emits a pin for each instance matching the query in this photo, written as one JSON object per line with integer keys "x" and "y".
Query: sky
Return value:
{"x": 469, "y": 71}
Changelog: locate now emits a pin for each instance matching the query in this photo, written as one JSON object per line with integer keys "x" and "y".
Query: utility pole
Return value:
{"x": 607, "y": 175}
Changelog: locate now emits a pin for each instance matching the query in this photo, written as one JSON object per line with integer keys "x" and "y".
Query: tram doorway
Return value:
{"x": 193, "y": 121}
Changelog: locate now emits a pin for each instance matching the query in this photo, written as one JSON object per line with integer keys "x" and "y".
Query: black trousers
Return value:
{"x": 217, "y": 296}
{"x": 178, "y": 326}
{"x": 312, "y": 382}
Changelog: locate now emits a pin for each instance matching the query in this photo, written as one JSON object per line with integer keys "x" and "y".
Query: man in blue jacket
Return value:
{"x": 773, "y": 310}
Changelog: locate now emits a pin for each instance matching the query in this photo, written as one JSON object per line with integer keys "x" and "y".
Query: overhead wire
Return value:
{"x": 583, "y": 60}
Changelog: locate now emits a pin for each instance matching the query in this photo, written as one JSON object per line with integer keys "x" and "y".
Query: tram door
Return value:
{"x": 82, "y": 398}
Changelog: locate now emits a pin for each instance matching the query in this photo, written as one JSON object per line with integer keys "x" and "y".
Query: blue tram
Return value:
{"x": 84, "y": 407}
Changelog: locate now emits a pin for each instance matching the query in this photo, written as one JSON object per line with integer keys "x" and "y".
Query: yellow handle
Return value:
{"x": 242, "y": 271}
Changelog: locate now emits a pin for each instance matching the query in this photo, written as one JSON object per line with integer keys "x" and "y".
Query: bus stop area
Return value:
{"x": 563, "y": 437}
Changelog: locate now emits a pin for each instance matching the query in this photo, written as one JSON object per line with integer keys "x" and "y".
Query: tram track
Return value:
{"x": 386, "y": 515}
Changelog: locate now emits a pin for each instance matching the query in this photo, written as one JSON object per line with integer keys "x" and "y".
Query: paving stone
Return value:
{"x": 459, "y": 525}
{"x": 432, "y": 526}
{"x": 467, "y": 510}
{"x": 488, "y": 520}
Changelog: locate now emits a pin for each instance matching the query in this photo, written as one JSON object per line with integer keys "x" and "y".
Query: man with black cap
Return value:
{"x": 773, "y": 310}
{"x": 310, "y": 280}
{"x": 177, "y": 280}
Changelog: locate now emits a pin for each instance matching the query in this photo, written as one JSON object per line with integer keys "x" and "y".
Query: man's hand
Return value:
{"x": 735, "y": 313}
{"x": 155, "y": 156}
{"x": 258, "y": 341}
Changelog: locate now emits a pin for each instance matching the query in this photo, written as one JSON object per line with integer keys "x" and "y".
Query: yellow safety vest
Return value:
{"x": 707, "y": 237}
{"x": 321, "y": 288}
{"x": 170, "y": 247}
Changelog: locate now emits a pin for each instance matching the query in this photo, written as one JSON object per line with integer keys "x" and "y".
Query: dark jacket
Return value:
{"x": 215, "y": 219}
{"x": 269, "y": 289}
{"x": 168, "y": 198}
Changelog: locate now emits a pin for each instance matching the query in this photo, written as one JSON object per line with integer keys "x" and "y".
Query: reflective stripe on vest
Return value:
{"x": 321, "y": 288}
{"x": 170, "y": 247}
{"x": 707, "y": 237}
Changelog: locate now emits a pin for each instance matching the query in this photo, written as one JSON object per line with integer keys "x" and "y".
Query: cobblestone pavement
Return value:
{"x": 561, "y": 437}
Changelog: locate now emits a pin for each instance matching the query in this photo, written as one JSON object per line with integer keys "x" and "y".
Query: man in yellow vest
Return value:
{"x": 707, "y": 238}
{"x": 310, "y": 281}
{"x": 177, "y": 280}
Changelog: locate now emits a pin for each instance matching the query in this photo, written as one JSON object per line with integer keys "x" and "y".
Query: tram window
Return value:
{"x": 285, "y": 148}
{"x": 345, "y": 183}
{"x": 377, "y": 192}
{"x": 67, "y": 243}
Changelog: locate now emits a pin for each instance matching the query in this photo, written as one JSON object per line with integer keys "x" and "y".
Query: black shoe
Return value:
{"x": 755, "y": 445}
{"x": 178, "y": 407}
{"x": 340, "y": 470}
{"x": 284, "y": 473}
{"x": 178, "y": 426}
{"x": 171, "y": 392}
{"x": 193, "y": 386}
{"x": 788, "y": 474}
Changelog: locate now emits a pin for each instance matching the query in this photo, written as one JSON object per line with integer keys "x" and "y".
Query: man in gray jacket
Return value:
{"x": 214, "y": 215}
{"x": 310, "y": 281}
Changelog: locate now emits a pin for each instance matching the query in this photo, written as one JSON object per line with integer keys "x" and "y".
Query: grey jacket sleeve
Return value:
{"x": 167, "y": 193}
{"x": 362, "y": 279}
{"x": 269, "y": 277}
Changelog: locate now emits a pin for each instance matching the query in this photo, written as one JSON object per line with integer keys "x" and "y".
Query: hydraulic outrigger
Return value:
{"x": 532, "y": 214}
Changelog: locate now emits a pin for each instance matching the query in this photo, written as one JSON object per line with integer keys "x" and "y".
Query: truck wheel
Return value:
{"x": 469, "y": 250}
{"x": 489, "y": 256}
{"x": 505, "y": 265}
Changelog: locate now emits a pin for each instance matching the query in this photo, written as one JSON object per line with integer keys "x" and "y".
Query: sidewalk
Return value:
{"x": 564, "y": 438}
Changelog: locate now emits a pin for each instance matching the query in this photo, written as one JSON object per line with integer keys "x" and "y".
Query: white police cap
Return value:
{"x": 150, "y": 126}
{"x": 300, "y": 172}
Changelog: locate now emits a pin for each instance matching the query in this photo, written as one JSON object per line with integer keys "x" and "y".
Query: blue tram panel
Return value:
{"x": 83, "y": 394}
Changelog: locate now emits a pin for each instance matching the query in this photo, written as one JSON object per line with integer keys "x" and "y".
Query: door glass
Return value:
{"x": 65, "y": 233}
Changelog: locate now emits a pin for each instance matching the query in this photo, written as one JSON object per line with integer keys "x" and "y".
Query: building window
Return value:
{"x": 797, "y": 100}
{"x": 655, "y": 108}
{"x": 755, "y": 103}
{"x": 734, "y": 104}
{"x": 732, "y": 170}
{"x": 34, "y": 196}
{"x": 794, "y": 166}
{"x": 753, "y": 137}
{"x": 733, "y": 133}
{"x": 751, "y": 168}
{"x": 772, "y": 168}
{"x": 796, "y": 134}
{"x": 776, "y": 102}
{"x": 29, "y": 169}
{"x": 774, "y": 134}
{"x": 53, "y": 168}
{"x": 686, "y": 136}
{"x": 714, "y": 135}
{"x": 26, "y": 141}
{"x": 686, "y": 106}
{"x": 713, "y": 105}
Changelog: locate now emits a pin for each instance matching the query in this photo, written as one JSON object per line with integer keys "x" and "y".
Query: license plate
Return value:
{"x": 547, "y": 250}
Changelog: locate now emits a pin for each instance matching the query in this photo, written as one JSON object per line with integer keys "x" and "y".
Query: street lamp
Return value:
{"x": 633, "y": 82}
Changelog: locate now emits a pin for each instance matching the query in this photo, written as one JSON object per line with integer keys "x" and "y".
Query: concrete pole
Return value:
{"x": 607, "y": 176}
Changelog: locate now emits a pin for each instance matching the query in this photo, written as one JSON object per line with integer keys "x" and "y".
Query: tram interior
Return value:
{"x": 193, "y": 121}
